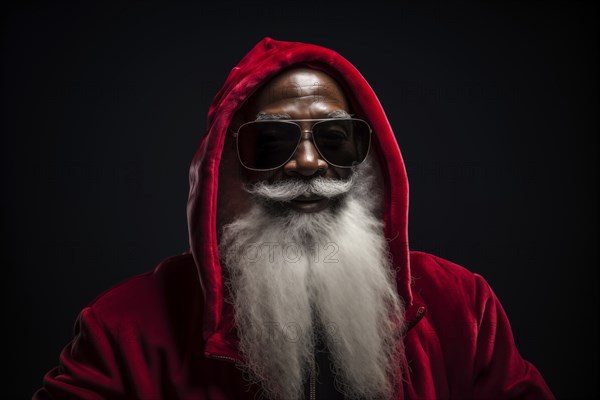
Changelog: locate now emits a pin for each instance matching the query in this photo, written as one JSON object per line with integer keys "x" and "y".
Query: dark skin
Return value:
{"x": 299, "y": 93}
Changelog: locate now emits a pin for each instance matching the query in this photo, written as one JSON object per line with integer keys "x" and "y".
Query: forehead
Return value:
{"x": 299, "y": 89}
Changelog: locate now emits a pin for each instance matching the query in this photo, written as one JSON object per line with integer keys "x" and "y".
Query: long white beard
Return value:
{"x": 289, "y": 271}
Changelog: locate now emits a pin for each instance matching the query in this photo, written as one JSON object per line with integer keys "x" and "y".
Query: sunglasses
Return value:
{"x": 270, "y": 144}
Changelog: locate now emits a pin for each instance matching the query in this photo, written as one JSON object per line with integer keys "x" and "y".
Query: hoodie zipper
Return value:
{"x": 217, "y": 357}
{"x": 313, "y": 383}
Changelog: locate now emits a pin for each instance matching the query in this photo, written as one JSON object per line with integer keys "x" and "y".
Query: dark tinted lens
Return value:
{"x": 267, "y": 144}
{"x": 343, "y": 143}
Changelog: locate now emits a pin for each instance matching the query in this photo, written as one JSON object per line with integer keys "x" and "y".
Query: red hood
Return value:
{"x": 265, "y": 60}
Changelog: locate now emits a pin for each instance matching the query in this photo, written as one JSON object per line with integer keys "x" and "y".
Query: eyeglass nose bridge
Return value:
{"x": 307, "y": 134}
{"x": 308, "y": 128}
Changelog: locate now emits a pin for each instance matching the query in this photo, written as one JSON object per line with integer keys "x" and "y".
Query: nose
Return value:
{"x": 306, "y": 161}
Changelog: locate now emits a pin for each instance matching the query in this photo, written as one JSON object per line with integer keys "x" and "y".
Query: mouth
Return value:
{"x": 309, "y": 203}
{"x": 307, "y": 198}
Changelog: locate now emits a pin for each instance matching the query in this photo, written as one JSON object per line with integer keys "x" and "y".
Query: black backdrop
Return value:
{"x": 494, "y": 106}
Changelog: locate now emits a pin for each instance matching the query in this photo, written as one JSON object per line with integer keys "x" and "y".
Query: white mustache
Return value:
{"x": 288, "y": 190}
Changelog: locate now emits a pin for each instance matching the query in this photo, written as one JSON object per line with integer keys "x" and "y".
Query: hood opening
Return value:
{"x": 214, "y": 155}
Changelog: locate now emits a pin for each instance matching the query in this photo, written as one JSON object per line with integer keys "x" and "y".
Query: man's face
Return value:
{"x": 297, "y": 94}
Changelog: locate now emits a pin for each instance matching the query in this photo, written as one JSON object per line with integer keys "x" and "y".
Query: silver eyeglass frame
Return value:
{"x": 295, "y": 122}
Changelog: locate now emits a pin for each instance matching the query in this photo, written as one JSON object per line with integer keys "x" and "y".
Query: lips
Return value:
{"x": 308, "y": 198}
{"x": 309, "y": 203}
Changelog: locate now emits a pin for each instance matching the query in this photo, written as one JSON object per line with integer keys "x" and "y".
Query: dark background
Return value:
{"x": 495, "y": 107}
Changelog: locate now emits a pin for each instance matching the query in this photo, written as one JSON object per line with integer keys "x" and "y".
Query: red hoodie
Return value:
{"x": 169, "y": 334}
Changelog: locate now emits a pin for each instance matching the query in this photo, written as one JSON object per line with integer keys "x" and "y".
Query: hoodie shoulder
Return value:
{"x": 426, "y": 263}
{"x": 444, "y": 284}
{"x": 169, "y": 294}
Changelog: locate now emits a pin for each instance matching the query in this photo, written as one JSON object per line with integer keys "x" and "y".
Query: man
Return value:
{"x": 299, "y": 282}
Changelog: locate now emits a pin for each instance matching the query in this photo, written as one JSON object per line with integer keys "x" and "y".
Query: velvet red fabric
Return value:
{"x": 169, "y": 334}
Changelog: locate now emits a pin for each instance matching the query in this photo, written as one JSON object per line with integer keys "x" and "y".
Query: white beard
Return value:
{"x": 289, "y": 271}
